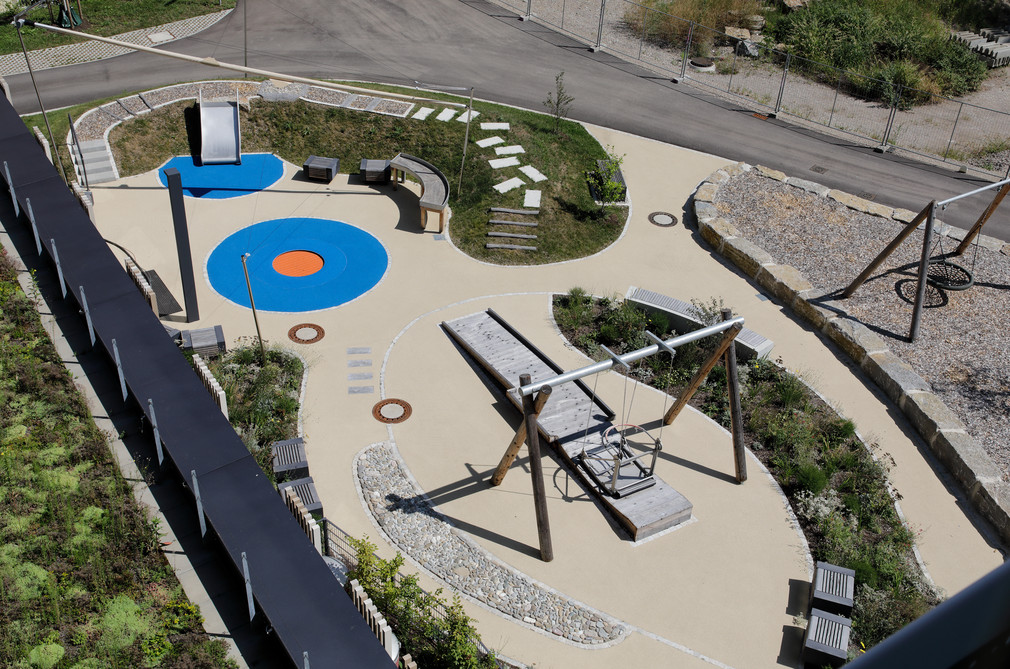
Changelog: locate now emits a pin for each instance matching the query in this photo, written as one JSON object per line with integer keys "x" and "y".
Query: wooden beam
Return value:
{"x": 513, "y": 449}
{"x": 982, "y": 220}
{"x": 735, "y": 411}
{"x": 537, "y": 473}
{"x": 699, "y": 378}
{"x": 882, "y": 256}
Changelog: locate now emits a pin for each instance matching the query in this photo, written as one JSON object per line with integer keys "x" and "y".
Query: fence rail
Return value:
{"x": 888, "y": 116}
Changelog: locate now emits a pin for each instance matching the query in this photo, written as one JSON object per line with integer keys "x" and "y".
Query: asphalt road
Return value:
{"x": 476, "y": 43}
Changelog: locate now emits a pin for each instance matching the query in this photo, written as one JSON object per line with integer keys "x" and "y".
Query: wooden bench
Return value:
{"x": 288, "y": 459}
{"x": 434, "y": 185}
{"x": 208, "y": 342}
{"x": 833, "y": 589}
{"x": 682, "y": 318}
{"x": 319, "y": 168}
{"x": 826, "y": 642}
{"x": 305, "y": 488}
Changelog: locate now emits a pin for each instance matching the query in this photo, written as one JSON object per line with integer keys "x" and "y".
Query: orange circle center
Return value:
{"x": 298, "y": 263}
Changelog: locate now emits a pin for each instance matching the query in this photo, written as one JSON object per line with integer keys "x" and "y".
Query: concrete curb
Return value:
{"x": 934, "y": 421}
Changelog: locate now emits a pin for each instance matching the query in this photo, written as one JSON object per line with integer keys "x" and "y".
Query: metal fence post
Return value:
{"x": 35, "y": 230}
{"x": 687, "y": 51}
{"x": 599, "y": 30}
{"x": 10, "y": 187}
{"x": 119, "y": 368}
{"x": 895, "y": 101}
{"x": 87, "y": 314}
{"x": 199, "y": 504}
{"x": 157, "y": 434}
{"x": 645, "y": 20}
{"x": 834, "y": 102}
{"x": 528, "y": 15}
{"x": 953, "y": 130}
{"x": 732, "y": 69}
{"x": 59, "y": 268}
{"x": 782, "y": 85}
{"x": 248, "y": 587}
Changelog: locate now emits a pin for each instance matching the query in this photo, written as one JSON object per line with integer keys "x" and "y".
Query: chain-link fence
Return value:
{"x": 877, "y": 111}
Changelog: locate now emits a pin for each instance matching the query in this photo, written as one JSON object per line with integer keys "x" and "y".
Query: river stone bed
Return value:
{"x": 410, "y": 523}
{"x": 963, "y": 349}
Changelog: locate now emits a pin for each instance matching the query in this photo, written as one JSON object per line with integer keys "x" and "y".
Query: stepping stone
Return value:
{"x": 494, "y": 126}
{"x": 498, "y": 163}
{"x": 446, "y": 114}
{"x": 509, "y": 150}
{"x": 423, "y": 113}
{"x": 532, "y": 198}
{"x": 533, "y": 173}
{"x": 490, "y": 141}
{"x": 468, "y": 115}
{"x": 506, "y": 186}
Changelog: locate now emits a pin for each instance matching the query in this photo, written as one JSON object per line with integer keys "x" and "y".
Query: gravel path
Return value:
{"x": 964, "y": 345}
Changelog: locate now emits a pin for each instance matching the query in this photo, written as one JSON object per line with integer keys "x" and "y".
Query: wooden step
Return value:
{"x": 510, "y": 246}
{"x": 525, "y": 224}
{"x": 521, "y": 212}
{"x": 511, "y": 235}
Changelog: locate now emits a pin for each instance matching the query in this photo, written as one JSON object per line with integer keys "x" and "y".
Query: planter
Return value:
{"x": 617, "y": 178}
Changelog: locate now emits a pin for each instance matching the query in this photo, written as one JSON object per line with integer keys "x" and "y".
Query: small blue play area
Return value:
{"x": 297, "y": 264}
{"x": 256, "y": 172}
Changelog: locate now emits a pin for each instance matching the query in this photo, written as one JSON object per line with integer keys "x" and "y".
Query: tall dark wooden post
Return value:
{"x": 537, "y": 472}
{"x": 182, "y": 243}
{"x": 735, "y": 412}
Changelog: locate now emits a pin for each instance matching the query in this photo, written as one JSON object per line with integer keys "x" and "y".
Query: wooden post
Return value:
{"x": 699, "y": 377}
{"x": 537, "y": 472}
{"x": 977, "y": 228}
{"x": 517, "y": 441}
{"x": 735, "y": 412}
{"x": 882, "y": 256}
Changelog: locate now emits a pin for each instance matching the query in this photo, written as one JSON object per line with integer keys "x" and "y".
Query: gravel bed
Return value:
{"x": 963, "y": 348}
{"x": 134, "y": 105}
{"x": 360, "y": 102}
{"x": 326, "y": 96}
{"x": 394, "y": 107}
{"x": 407, "y": 518}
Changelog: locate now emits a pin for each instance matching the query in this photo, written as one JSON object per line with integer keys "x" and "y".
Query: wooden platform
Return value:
{"x": 571, "y": 419}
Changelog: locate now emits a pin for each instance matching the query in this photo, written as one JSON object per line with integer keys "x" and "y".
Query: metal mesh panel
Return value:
{"x": 580, "y": 18}
{"x": 641, "y": 33}
{"x": 757, "y": 78}
{"x": 981, "y": 140}
{"x": 813, "y": 94}
{"x": 867, "y": 118}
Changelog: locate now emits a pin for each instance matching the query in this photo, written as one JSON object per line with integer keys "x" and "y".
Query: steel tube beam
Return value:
{"x": 998, "y": 184}
{"x": 604, "y": 365}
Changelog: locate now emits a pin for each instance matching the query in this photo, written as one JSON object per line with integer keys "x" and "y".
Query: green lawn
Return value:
{"x": 105, "y": 18}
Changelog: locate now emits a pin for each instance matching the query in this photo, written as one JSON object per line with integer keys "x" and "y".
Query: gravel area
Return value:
{"x": 963, "y": 348}
{"x": 361, "y": 102}
{"x": 407, "y": 518}
{"x": 326, "y": 96}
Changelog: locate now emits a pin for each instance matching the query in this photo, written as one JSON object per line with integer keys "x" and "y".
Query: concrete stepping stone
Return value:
{"x": 532, "y": 198}
{"x": 468, "y": 116}
{"x": 533, "y": 173}
{"x": 423, "y": 113}
{"x": 498, "y": 163}
{"x": 490, "y": 141}
{"x": 446, "y": 114}
{"x": 509, "y": 150}
{"x": 506, "y": 186}
{"x": 494, "y": 126}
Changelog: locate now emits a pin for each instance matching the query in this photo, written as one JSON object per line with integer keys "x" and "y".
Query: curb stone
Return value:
{"x": 933, "y": 420}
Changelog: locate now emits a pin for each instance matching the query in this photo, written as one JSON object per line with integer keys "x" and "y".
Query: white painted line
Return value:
{"x": 423, "y": 113}
{"x": 509, "y": 150}
{"x": 468, "y": 115}
{"x": 506, "y": 186}
{"x": 490, "y": 141}
{"x": 498, "y": 163}
{"x": 446, "y": 114}
{"x": 532, "y": 199}
{"x": 494, "y": 126}
{"x": 533, "y": 173}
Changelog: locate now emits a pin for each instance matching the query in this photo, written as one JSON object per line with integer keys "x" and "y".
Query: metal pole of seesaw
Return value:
{"x": 920, "y": 293}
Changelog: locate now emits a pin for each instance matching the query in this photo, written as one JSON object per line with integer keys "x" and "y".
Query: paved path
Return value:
{"x": 474, "y": 42}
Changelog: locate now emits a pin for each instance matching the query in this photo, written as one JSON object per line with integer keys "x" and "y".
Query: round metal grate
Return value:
{"x": 662, "y": 219}
{"x": 391, "y": 411}
{"x": 299, "y": 335}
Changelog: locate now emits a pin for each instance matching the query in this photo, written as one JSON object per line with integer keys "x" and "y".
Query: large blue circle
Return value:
{"x": 217, "y": 182}
{"x": 353, "y": 262}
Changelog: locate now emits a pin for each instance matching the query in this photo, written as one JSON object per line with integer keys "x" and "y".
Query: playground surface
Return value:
{"x": 720, "y": 589}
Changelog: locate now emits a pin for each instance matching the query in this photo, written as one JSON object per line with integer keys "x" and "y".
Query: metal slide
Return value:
{"x": 220, "y": 139}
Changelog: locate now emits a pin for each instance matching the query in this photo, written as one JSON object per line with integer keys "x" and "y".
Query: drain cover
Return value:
{"x": 818, "y": 169}
{"x": 306, "y": 333}
{"x": 662, "y": 219}
{"x": 866, "y": 195}
{"x": 391, "y": 411}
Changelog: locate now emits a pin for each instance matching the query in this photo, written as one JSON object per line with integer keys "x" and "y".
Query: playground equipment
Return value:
{"x": 938, "y": 270}
{"x": 220, "y": 136}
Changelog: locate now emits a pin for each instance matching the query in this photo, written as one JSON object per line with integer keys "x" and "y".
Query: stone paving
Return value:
{"x": 405, "y": 516}
{"x": 85, "y": 52}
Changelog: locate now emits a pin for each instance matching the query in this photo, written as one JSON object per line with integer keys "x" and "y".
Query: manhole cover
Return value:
{"x": 391, "y": 411}
{"x": 818, "y": 169}
{"x": 866, "y": 195}
{"x": 662, "y": 219}
{"x": 306, "y": 333}
{"x": 702, "y": 62}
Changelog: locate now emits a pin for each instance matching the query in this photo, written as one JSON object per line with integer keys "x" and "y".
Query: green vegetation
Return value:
{"x": 570, "y": 224}
{"x": 558, "y": 102}
{"x": 670, "y": 23}
{"x": 606, "y": 182}
{"x": 83, "y": 581}
{"x": 102, "y": 17}
{"x": 263, "y": 401}
{"x": 836, "y": 485}
{"x": 899, "y": 42}
{"x": 434, "y": 632}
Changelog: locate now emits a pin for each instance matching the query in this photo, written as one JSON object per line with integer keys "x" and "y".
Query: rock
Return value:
{"x": 754, "y": 21}
{"x": 859, "y": 204}
{"x": 738, "y": 33}
{"x": 771, "y": 174}
{"x": 809, "y": 186}
{"x": 748, "y": 48}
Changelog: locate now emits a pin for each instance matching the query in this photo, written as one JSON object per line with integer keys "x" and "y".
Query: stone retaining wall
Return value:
{"x": 939, "y": 427}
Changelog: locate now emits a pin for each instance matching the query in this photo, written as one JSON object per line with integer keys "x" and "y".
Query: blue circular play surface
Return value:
{"x": 353, "y": 261}
{"x": 256, "y": 172}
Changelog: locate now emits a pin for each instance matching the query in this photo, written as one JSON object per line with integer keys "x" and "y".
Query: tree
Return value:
{"x": 558, "y": 102}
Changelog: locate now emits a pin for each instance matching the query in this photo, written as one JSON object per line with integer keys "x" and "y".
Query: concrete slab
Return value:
{"x": 489, "y": 141}
{"x": 533, "y": 173}
{"x": 468, "y": 116}
{"x": 498, "y": 163}
{"x": 531, "y": 198}
{"x": 509, "y": 150}
{"x": 506, "y": 186}
{"x": 446, "y": 114}
{"x": 494, "y": 126}
{"x": 423, "y": 113}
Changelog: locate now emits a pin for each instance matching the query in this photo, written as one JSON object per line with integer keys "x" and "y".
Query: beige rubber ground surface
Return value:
{"x": 721, "y": 586}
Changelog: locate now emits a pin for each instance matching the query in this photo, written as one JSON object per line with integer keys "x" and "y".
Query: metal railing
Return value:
{"x": 879, "y": 112}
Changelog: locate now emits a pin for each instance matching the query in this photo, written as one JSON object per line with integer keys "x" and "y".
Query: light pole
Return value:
{"x": 252, "y": 303}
